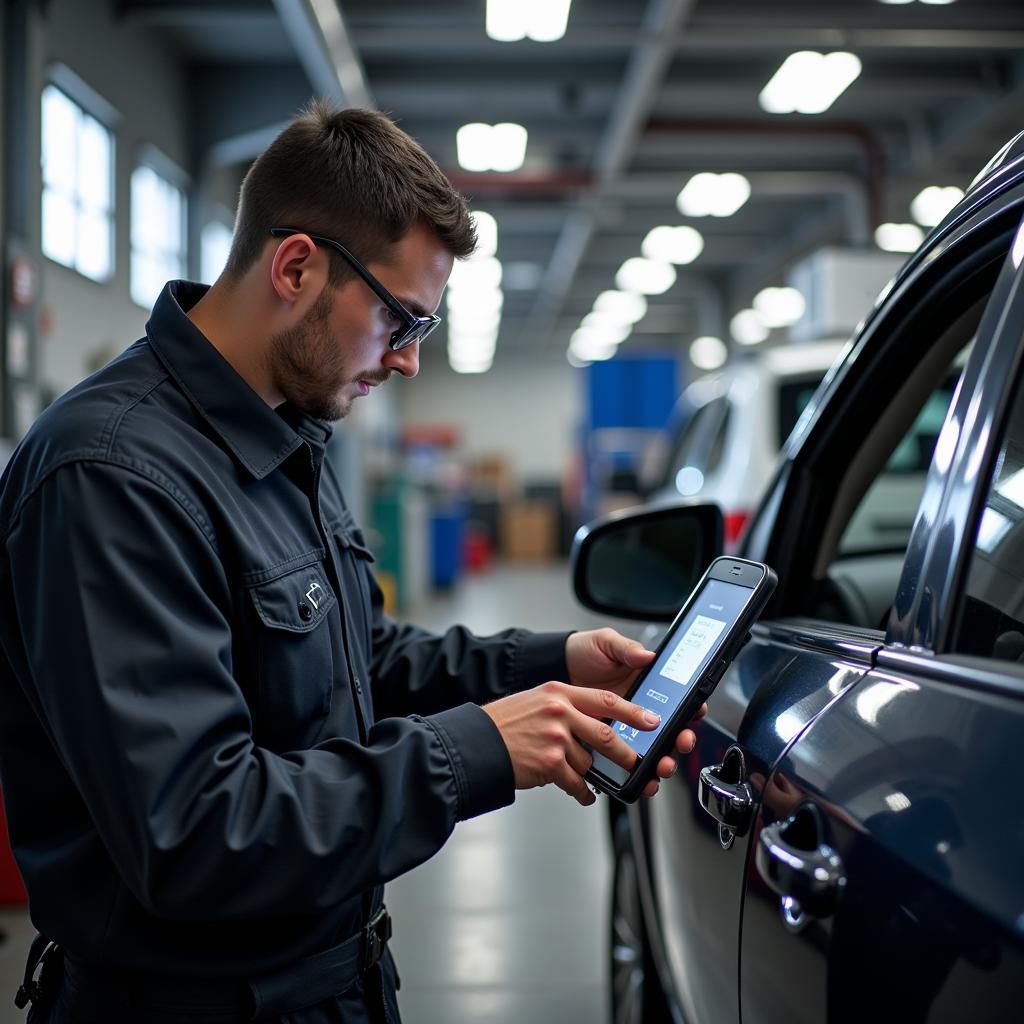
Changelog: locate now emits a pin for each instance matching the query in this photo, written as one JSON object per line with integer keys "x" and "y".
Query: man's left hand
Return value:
{"x": 605, "y": 659}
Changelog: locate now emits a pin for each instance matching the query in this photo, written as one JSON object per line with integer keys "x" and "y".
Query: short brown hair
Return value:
{"x": 354, "y": 176}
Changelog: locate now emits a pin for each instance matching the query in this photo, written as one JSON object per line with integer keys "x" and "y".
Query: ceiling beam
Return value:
{"x": 472, "y": 44}
{"x": 647, "y": 66}
{"x": 322, "y": 43}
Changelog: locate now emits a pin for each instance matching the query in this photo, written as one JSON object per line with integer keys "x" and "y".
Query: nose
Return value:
{"x": 405, "y": 361}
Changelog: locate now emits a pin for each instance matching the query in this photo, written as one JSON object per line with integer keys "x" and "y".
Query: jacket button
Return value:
{"x": 305, "y": 611}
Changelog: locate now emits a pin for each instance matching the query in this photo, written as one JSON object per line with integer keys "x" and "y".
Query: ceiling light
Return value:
{"x": 486, "y": 233}
{"x": 708, "y": 353}
{"x": 713, "y": 195}
{"x": 748, "y": 328}
{"x": 779, "y": 307}
{"x": 543, "y": 21}
{"x": 600, "y": 336}
{"x": 482, "y": 274}
{"x": 937, "y": 3}
{"x": 590, "y": 350}
{"x": 491, "y": 147}
{"x": 809, "y": 82}
{"x": 548, "y": 19}
{"x": 898, "y": 237}
{"x": 652, "y": 277}
{"x": 626, "y": 307}
{"x": 473, "y": 143}
{"x": 473, "y": 320}
{"x": 931, "y": 204}
{"x": 599, "y": 325}
{"x": 673, "y": 245}
{"x": 486, "y": 300}
{"x": 460, "y": 365}
{"x": 472, "y": 348}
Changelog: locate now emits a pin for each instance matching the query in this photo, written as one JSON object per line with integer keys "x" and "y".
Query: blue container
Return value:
{"x": 447, "y": 530}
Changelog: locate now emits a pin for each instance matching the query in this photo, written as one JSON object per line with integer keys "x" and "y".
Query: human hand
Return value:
{"x": 544, "y": 729}
{"x": 605, "y": 659}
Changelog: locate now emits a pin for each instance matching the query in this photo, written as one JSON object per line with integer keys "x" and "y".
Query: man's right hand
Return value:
{"x": 544, "y": 729}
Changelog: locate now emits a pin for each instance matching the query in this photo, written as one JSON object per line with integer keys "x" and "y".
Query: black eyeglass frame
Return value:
{"x": 415, "y": 328}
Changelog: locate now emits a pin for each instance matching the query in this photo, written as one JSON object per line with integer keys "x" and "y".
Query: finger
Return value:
{"x": 629, "y": 652}
{"x": 651, "y": 788}
{"x": 572, "y": 783}
{"x": 666, "y": 768}
{"x": 700, "y": 714}
{"x": 686, "y": 741}
{"x": 604, "y": 738}
{"x": 605, "y": 704}
{"x": 579, "y": 759}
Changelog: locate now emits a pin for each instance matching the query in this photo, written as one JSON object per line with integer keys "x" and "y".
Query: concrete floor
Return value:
{"x": 507, "y": 923}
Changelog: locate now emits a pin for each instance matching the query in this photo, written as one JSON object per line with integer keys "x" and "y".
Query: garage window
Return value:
{"x": 158, "y": 228}
{"x": 78, "y": 187}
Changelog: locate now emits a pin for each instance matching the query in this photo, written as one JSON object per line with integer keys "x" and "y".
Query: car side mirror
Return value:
{"x": 644, "y": 564}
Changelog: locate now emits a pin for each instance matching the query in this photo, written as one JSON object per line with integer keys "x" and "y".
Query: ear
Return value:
{"x": 298, "y": 269}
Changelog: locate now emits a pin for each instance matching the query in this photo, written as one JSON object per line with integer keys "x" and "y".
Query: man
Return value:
{"x": 215, "y": 746}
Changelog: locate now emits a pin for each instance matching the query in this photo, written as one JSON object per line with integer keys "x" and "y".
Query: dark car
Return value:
{"x": 846, "y": 842}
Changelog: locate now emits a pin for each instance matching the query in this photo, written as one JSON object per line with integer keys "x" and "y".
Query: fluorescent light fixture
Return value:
{"x": 486, "y": 233}
{"x": 938, "y": 3}
{"x": 708, "y": 353}
{"x": 591, "y": 351}
{"x": 651, "y": 277}
{"x": 486, "y": 300}
{"x": 898, "y": 237}
{"x": 473, "y": 143}
{"x": 548, "y": 19}
{"x": 460, "y": 365}
{"x": 598, "y": 325}
{"x": 483, "y": 274}
{"x": 473, "y": 320}
{"x": 748, "y": 328}
{"x": 600, "y": 336}
{"x": 779, "y": 307}
{"x": 626, "y": 307}
{"x": 713, "y": 195}
{"x": 543, "y": 21}
{"x": 491, "y": 147}
{"x": 809, "y": 82}
{"x": 894, "y": 3}
{"x": 931, "y": 204}
{"x": 680, "y": 244}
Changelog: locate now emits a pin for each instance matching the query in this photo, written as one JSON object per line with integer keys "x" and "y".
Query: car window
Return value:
{"x": 885, "y": 516}
{"x": 695, "y": 441}
{"x": 793, "y": 398}
{"x": 716, "y": 449}
{"x": 992, "y": 612}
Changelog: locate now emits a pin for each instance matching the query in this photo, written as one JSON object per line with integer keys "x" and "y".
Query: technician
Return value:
{"x": 215, "y": 747}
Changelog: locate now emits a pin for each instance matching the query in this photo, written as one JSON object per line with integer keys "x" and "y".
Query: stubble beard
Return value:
{"x": 308, "y": 366}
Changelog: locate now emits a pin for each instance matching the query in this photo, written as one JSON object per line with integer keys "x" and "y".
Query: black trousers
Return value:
{"x": 73, "y": 998}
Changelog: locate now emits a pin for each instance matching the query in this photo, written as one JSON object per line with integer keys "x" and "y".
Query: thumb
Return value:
{"x": 634, "y": 654}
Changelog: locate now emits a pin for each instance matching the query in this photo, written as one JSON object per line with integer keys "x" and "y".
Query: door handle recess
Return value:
{"x": 726, "y": 795}
{"x": 795, "y": 862}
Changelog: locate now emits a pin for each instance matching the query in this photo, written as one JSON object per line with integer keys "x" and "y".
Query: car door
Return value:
{"x": 884, "y": 880}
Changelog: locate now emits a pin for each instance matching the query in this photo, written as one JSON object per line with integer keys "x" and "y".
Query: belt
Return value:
{"x": 303, "y": 983}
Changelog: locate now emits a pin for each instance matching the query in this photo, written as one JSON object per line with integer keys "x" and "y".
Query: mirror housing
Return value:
{"x": 643, "y": 564}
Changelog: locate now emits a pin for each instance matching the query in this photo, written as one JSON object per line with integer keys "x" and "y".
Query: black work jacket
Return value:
{"x": 213, "y": 741}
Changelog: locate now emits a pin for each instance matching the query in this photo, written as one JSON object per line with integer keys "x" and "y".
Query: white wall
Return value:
{"x": 145, "y": 83}
{"x": 525, "y": 409}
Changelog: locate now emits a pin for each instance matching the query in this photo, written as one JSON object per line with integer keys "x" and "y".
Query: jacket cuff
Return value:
{"x": 539, "y": 658}
{"x": 484, "y": 777}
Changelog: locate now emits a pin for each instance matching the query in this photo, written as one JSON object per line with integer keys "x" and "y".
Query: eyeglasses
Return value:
{"x": 414, "y": 328}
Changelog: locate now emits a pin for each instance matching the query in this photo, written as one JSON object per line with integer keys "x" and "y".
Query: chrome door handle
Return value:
{"x": 796, "y": 863}
{"x": 726, "y": 795}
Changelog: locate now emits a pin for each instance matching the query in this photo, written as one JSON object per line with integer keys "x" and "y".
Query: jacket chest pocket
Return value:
{"x": 294, "y": 656}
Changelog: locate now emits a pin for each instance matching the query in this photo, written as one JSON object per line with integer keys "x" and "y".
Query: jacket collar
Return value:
{"x": 259, "y": 437}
